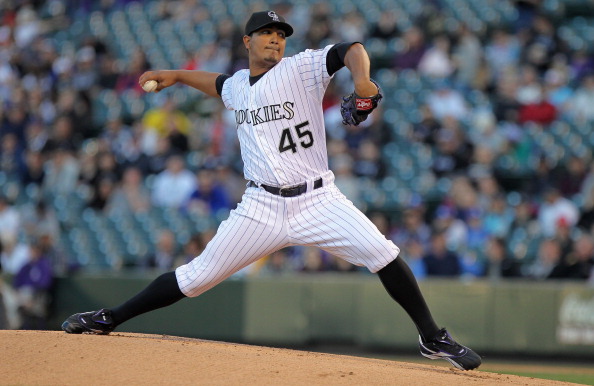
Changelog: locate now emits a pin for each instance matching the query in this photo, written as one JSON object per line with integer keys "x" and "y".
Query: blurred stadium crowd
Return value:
{"x": 478, "y": 164}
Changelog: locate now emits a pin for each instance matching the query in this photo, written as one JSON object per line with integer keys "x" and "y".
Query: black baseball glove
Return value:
{"x": 355, "y": 109}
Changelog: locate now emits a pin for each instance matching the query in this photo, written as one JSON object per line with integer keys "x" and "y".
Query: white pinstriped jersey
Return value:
{"x": 280, "y": 121}
{"x": 282, "y": 137}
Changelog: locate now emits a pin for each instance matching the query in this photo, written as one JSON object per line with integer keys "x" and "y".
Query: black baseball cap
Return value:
{"x": 262, "y": 19}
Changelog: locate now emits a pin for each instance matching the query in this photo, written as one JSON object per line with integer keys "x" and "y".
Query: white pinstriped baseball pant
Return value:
{"x": 263, "y": 223}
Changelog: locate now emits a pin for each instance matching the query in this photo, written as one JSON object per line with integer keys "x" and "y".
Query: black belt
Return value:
{"x": 291, "y": 191}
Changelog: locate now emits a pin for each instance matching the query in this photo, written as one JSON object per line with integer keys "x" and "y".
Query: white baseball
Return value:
{"x": 150, "y": 86}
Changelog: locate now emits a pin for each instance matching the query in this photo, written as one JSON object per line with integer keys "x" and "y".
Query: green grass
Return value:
{"x": 582, "y": 379}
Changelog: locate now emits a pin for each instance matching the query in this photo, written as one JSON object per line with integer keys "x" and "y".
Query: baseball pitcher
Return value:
{"x": 290, "y": 198}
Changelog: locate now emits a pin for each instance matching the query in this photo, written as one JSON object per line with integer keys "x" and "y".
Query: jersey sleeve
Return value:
{"x": 226, "y": 91}
{"x": 335, "y": 59}
{"x": 220, "y": 81}
{"x": 311, "y": 65}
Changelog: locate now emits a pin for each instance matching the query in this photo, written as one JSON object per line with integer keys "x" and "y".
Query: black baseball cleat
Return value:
{"x": 442, "y": 346}
{"x": 93, "y": 322}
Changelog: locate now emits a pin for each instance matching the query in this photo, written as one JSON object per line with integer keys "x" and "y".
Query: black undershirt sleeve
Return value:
{"x": 335, "y": 58}
{"x": 219, "y": 82}
{"x": 334, "y": 62}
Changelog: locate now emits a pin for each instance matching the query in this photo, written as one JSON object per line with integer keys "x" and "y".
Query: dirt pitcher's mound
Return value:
{"x": 56, "y": 358}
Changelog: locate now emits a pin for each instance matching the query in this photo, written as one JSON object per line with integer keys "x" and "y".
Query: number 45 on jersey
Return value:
{"x": 304, "y": 135}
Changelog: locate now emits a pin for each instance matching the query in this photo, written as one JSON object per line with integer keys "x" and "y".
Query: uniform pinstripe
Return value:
{"x": 287, "y": 97}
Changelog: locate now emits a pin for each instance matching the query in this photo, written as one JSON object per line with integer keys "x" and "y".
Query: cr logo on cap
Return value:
{"x": 273, "y": 15}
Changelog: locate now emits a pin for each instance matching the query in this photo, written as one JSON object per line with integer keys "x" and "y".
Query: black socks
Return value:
{"x": 402, "y": 286}
{"x": 161, "y": 292}
{"x": 396, "y": 277}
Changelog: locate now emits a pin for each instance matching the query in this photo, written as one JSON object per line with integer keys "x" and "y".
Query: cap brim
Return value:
{"x": 284, "y": 26}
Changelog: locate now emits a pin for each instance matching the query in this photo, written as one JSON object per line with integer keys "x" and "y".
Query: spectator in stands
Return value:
{"x": 85, "y": 76}
{"x": 107, "y": 167}
{"x": 498, "y": 217}
{"x": 572, "y": 175}
{"x": 557, "y": 88}
{"x": 436, "y": 61}
{"x": 128, "y": 79}
{"x": 108, "y": 73}
{"x": 164, "y": 254}
{"x": 10, "y": 219}
{"x": 499, "y": 262}
{"x": 173, "y": 186}
{"x": 524, "y": 224}
{"x": 578, "y": 264}
{"x": 386, "y": 27}
{"x": 452, "y": 152}
{"x": 556, "y": 209}
{"x": 415, "y": 251}
{"x": 118, "y": 138}
{"x": 36, "y": 135}
{"x": 320, "y": 25}
{"x": 62, "y": 136}
{"x": 454, "y": 229}
{"x": 28, "y": 26}
{"x": 540, "y": 179}
{"x": 34, "y": 172}
{"x": 352, "y": 27}
{"x": 466, "y": 56}
{"x": 102, "y": 193}
{"x": 581, "y": 64}
{"x": 547, "y": 258}
{"x": 506, "y": 106}
{"x": 412, "y": 231}
{"x": 439, "y": 260}
{"x": 581, "y": 103}
{"x": 368, "y": 161}
{"x": 227, "y": 37}
{"x": 167, "y": 121}
{"x": 414, "y": 47}
{"x": 472, "y": 264}
{"x": 38, "y": 220}
{"x": 564, "y": 237}
{"x": 12, "y": 157}
{"x": 444, "y": 101}
{"x": 536, "y": 108}
{"x": 209, "y": 198}
{"x": 277, "y": 263}
{"x": 527, "y": 11}
{"x": 314, "y": 260}
{"x": 428, "y": 126}
{"x": 502, "y": 52}
{"x": 33, "y": 283}
{"x": 485, "y": 132}
{"x": 155, "y": 162}
{"x": 89, "y": 166}
{"x": 14, "y": 121}
{"x": 478, "y": 231}
{"x": 193, "y": 247}
{"x": 209, "y": 57}
{"x": 14, "y": 254}
{"x": 347, "y": 182}
{"x": 542, "y": 44}
{"x": 130, "y": 195}
{"x": 528, "y": 85}
{"x": 41, "y": 106}
{"x": 76, "y": 106}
